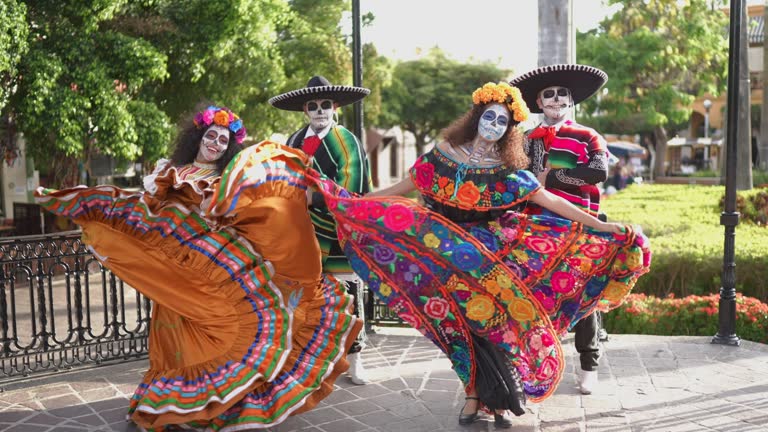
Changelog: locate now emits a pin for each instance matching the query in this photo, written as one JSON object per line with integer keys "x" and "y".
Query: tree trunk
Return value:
{"x": 660, "y": 135}
{"x": 421, "y": 142}
{"x": 557, "y": 38}
{"x": 66, "y": 172}
{"x": 763, "y": 142}
{"x": 652, "y": 150}
{"x": 744, "y": 143}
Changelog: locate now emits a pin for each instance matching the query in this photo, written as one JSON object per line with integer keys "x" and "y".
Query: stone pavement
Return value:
{"x": 647, "y": 383}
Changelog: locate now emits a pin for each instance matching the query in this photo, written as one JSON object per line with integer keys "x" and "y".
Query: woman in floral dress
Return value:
{"x": 493, "y": 288}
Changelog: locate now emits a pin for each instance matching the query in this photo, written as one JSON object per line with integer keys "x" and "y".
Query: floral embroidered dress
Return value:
{"x": 476, "y": 278}
{"x": 244, "y": 331}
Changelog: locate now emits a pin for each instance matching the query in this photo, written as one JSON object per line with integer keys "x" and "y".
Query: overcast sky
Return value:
{"x": 501, "y": 31}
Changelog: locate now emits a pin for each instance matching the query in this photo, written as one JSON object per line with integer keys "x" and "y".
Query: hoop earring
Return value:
{"x": 336, "y": 116}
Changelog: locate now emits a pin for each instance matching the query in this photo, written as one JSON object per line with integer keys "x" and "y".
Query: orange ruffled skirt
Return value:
{"x": 245, "y": 330}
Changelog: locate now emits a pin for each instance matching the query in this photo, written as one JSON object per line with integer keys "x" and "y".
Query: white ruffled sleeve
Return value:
{"x": 149, "y": 180}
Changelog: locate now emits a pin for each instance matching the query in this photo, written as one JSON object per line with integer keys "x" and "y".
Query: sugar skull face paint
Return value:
{"x": 320, "y": 113}
{"x": 213, "y": 145}
{"x": 555, "y": 101}
{"x": 494, "y": 122}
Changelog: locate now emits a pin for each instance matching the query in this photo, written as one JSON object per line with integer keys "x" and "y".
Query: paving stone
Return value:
{"x": 379, "y": 418}
{"x": 15, "y": 414}
{"x": 293, "y": 423}
{"x": 356, "y": 408}
{"x": 560, "y": 427}
{"x": 561, "y": 414}
{"x": 410, "y": 410}
{"x": 27, "y": 428}
{"x": 344, "y": 425}
{"x": 370, "y": 390}
{"x": 320, "y": 416}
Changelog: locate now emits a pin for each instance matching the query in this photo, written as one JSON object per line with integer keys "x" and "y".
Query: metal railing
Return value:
{"x": 60, "y": 308}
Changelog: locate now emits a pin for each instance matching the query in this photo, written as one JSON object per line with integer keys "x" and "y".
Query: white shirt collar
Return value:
{"x": 322, "y": 133}
{"x": 556, "y": 125}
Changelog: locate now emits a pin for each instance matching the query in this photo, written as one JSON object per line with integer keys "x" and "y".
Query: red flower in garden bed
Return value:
{"x": 692, "y": 315}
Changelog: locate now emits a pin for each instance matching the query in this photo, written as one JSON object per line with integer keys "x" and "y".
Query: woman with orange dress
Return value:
{"x": 244, "y": 330}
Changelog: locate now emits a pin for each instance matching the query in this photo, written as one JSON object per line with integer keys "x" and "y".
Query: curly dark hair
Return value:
{"x": 187, "y": 142}
{"x": 510, "y": 146}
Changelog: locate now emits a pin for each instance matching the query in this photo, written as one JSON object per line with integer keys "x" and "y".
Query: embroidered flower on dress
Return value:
{"x": 431, "y": 240}
{"x": 436, "y": 308}
{"x": 594, "y": 250}
{"x": 383, "y": 254}
{"x": 521, "y": 310}
{"x": 547, "y": 369}
{"x": 468, "y": 193}
{"x": 562, "y": 282}
{"x": 466, "y": 257}
{"x": 425, "y": 173}
{"x": 541, "y": 245}
{"x": 480, "y": 307}
{"x": 398, "y": 218}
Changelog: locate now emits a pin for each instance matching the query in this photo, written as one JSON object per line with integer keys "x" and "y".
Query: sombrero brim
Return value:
{"x": 294, "y": 100}
{"x": 582, "y": 80}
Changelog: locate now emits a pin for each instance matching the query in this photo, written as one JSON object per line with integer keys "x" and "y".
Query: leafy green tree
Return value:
{"x": 659, "y": 55}
{"x": 13, "y": 44}
{"x": 76, "y": 85}
{"x": 377, "y": 75}
{"x": 240, "y": 52}
{"x": 426, "y": 95}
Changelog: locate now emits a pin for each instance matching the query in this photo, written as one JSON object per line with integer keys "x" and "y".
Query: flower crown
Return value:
{"x": 503, "y": 93}
{"x": 221, "y": 117}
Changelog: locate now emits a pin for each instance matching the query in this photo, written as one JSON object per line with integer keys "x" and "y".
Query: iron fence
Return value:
{"x": 59, "y": 308}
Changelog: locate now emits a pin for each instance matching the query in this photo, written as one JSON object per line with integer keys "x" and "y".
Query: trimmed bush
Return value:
{"x": 692, "y": 315}
{"x": 683, "y": 224}
{"x": 752, "y": 205}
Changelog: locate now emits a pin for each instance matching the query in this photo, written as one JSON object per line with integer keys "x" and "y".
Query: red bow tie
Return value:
{"x": 545, "y": 132}
{"x": 310, "y": 145}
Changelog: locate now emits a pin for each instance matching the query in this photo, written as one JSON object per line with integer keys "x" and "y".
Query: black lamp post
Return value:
{"x": 357, "y": 67}
{"x": 726, "y": 333}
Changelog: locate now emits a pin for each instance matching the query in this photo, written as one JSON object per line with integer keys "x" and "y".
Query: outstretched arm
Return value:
{"x": 567, "y": 210}
{"x": 403, "y": 187}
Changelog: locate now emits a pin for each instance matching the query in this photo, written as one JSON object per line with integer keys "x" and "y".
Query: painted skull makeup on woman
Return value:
{"x": 493, "y": 123}
{"x": 555, "y": 101}
{"x": 320, "y": 113}
{"x": 213, "y": 144}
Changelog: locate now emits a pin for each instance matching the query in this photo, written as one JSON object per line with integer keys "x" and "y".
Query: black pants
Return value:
{"x": 588, "y": 342}
{"x": 355, "y": 289}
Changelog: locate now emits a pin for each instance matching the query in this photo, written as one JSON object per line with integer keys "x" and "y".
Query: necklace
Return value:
{"x": 480, "y": 152}
{"x": 204, "y": 165}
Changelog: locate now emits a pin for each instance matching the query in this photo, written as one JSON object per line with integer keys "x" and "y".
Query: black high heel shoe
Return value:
{"x": 502, "y": 420}
{"x": 467, "y": 419}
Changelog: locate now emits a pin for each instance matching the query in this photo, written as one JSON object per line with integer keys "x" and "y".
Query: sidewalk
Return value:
{"x": 647, "y": 383}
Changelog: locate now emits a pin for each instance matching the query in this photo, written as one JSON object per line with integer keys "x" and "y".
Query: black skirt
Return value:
{"x": 497, "y": 381}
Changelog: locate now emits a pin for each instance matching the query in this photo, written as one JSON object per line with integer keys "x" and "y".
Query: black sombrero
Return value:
{"x": 582, "y": 80}
{"x": 318, "y": 87}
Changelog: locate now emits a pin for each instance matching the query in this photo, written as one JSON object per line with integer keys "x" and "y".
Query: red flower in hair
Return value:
{"x": 311, "y": 144}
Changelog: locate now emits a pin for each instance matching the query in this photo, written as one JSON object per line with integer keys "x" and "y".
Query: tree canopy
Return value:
{"x": 112, "y": 76}
{"x": 426, "y": 95}
{"x": 659, "y": 55}
{"x": 13, "y": 44}
{"x": 77, "y": 82}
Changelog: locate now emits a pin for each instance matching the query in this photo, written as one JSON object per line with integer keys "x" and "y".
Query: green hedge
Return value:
{"x": 683, "y": 224}
{"x": 692, "y": 315}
